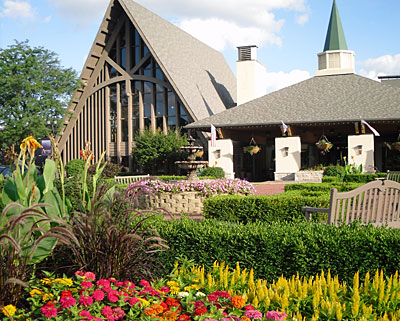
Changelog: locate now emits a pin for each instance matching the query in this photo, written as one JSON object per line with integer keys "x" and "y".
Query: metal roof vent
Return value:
{"x": 247, "y": 53}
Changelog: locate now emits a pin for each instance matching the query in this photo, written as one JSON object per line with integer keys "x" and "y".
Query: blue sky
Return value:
{"x": 289, "y": 33}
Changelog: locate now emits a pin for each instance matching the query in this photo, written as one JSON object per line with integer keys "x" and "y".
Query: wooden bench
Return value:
{"x": 129, "y": 179}
{"x": 376, "y": 202}
{"x": 393, "y": 176}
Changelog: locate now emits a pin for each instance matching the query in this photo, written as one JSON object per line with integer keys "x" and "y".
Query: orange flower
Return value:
{"x": 245, "y": 319}
{"x": 149, "y": 311}
{"x": 31, "y": 144}
{"x": 170, "y": 315}
{"x": 238, "y": 301}
{"x": 157, "y": 308}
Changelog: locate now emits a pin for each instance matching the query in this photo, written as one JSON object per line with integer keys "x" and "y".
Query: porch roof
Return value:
{"x": 322, "y": 99}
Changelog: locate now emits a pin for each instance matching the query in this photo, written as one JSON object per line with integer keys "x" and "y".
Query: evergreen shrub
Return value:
{"x": 215, "y": 172}
{"x": 321, "y": 187}
{"x": 266, "y": 208}
{"x": 74, "y": 167}
{"x": 283, "y": 248}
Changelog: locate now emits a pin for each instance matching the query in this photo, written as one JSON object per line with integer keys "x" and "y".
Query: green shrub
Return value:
{"x": 330, "y": 179}
{"x": 283, "y": 248}
{"x": 273, "y": 208}
{"x": 109, "y": 171}
{"x": 216, "y": 172}
{"x": 334, "y": 170}
{"x": 74, "y": 167}
{"x": 363, "y": 178}
{"x": 168, "y": 178}
{"x": 321, "y": 187}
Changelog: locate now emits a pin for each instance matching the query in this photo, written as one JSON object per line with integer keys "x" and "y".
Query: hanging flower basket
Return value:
{"x": 324, "y": 144}
{"x": 252, "y": 149}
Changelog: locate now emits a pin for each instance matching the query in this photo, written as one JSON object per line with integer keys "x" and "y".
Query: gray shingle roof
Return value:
{"x": 318, "y": 99}
{"x": 198, "y": 73}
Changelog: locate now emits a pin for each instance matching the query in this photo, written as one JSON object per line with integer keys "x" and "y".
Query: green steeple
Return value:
{"x": 335, "y": 36}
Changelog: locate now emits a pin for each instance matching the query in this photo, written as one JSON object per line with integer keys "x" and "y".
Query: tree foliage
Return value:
{"x": 34, "y": 92}
{"x": 153, "y": 150}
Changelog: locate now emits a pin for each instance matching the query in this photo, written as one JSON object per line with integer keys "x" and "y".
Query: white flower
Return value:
{"x": 198, "y": 294}
{"x": 182, "y": 294}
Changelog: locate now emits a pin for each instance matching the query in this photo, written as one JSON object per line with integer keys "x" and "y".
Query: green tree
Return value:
{"x": 34, "y": 92}
{"x": 152, "y": 151}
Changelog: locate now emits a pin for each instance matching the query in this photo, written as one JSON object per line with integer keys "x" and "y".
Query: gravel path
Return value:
{"x": 269, "y": 188}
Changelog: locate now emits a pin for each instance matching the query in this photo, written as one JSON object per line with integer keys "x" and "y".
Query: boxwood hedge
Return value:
{"x": 283, "y": 248}
{"x": 271, "y": 208}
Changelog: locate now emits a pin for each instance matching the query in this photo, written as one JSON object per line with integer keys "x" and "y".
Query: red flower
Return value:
{"x": 112, "y": 296}
{"x": 49, "y": 310}
{"x": 65, "y": 293}
{"x": 86, "y": 284}
{"x": 98, "y": 295}
{"x": 106, "y": 311}
{"x": 118, "y": 313}
{"x": 67, "y": 301}
{"x": 103, "y": 282}
{"x": 90, "y": 276}
{"x": 164, "y": 289}
{"x": 164, "y": 305}
{"x": 144, "y": 283}
{"x": 200, "y": 311}
{"x": 184, "y": 317}
{"x": 171, "y": 302}
{"x": 85, "y": 300}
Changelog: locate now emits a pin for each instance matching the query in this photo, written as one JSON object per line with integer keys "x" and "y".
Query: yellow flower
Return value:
{"x": 174, "y": 289}
{"x": 47, "y": 296}
{"x": 31, "y": 144}
{"x": 35, "y": 292}
{"x": 172, "y": 283}
{"x": 145, "y": 302}
{"x": 9, "y": 310}
{"x": 65, "y": 281}
{"x": 46, "y": 281}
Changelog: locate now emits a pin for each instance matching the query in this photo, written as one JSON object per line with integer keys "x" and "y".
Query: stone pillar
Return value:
{"x": 222, "y": 156}
{"x": 287, "y": 158}
{"x": 361, "y": 152}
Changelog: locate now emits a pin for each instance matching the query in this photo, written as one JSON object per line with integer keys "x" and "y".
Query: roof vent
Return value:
{"x": 247, "y": 53}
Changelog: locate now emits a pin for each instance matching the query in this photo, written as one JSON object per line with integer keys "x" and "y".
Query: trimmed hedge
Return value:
{"x": 321, "y": 187}
{"x": 266, "y": 208}
{"x": 216, "y": 172}
{"x": 363, "y": 178}
{"x": 283, "y": 248}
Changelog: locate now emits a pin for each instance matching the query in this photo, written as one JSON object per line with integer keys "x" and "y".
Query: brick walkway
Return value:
{"x": 269, "y": 188}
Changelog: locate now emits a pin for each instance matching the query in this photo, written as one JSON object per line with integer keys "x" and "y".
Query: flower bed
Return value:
{"x": 184, "y": 196}
{"x": 193, "y": 293}
{"x": 206, "y": 188}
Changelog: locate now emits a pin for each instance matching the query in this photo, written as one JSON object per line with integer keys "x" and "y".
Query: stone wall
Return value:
{"x": 309, "y": 176}
{"x": 190, "y": 203}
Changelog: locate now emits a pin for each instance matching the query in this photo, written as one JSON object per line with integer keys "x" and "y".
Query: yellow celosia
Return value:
{"x": 46, "y": 281}
{"x": 9, "y": 310}
{"x": 174, "y": 289}
{"x": 172, "y": 284}
{"x": 65, "y": 281}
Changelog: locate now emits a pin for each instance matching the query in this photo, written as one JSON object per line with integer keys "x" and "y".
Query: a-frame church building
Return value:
{"x": 142, "y": 72}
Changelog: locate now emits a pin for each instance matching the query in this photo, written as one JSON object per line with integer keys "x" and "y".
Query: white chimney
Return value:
{"x": 250, "y": 75}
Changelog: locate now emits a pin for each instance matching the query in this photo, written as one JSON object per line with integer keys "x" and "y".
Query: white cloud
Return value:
{"x": 278, "y": 80}
{"x": 18, "y": 10}
{"x": 301, "y": 20}
{"x": 381, "y": 66}
{"x": 82, "y": 12}
{"x": 220, "y": 34}
{"x": 229, "y": 22}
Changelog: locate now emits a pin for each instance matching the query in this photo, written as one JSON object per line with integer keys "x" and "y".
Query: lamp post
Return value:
{"x": 53, "y": 125}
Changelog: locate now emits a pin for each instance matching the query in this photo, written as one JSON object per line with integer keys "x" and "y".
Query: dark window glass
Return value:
{"x": 113, "y": 112}
{"x": 148, "y": 87}
{"x": 124, "y": 113}
{"x": 113, "y": 52}
{"x": 122, "y": 44}
{"x": 137, "y": 55}
{"x": 159, "y": 73}
{"x": 160, "y": 104}
{"x": 147, "y": 69}
{"x": 147, "y": 123}
{"x": 159, "y": 123}
{"x": 147, "y": 105}
{"x": 171, "y": 122}
{"x": 135, "y": 107}
{"x": 171, "y": 104}
{"x": 145, "y": 50}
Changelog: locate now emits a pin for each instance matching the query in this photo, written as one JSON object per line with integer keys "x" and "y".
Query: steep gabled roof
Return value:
{"x": 315, "y": 100}
{"x": 198, "y": 73}
{"x": 335, "y": 39}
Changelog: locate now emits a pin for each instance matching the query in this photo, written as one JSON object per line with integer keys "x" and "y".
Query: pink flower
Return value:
{"x": 106, "y": 311}
{"x": 85, "y": 314}
{"x": 249, "y": 307}
{"x": 67, "y": 301}
{"x": 49, "y": 311}
{"x": 253, "y": 314}
{"x": 112, "y": 296}
{"x": 118, "y": 313}
{"x": 85, "y": 300}
{"x": 98, "y": 295}
{"x": 144, "y": 283}
{"x": 275, "y": 315}
{"x": 133, "y": 301}
{"x": 90, "y": 276}
{"x": 86, "y": 284}
{"x": 129, "y": 284}
{"x": 103, "y": 282}
{"x": 80, "y": 273}
{"x": 164, "y": 289}
{"x": 119, "y": 284}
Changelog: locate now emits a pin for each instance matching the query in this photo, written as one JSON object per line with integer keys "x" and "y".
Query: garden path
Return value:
{"x": 269, "y": 188}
